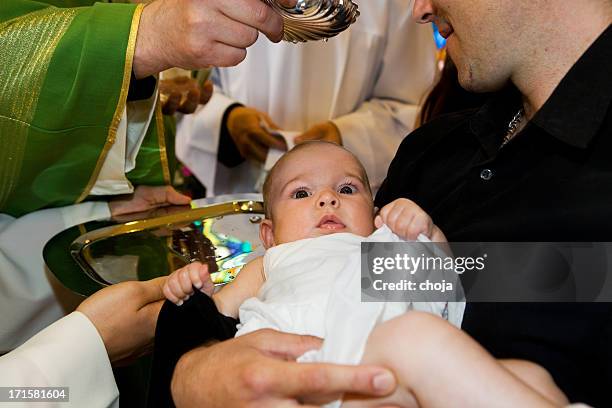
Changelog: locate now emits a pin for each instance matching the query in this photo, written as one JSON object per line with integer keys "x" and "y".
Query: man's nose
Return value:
{"x": 423, "y": 11}
{"x": 328, "y": 198}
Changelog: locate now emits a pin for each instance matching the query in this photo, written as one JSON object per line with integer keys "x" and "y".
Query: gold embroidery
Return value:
{"x": 161, "y": 136}
{"x": 27, "y": 44}
{"x": 125, "y": 86}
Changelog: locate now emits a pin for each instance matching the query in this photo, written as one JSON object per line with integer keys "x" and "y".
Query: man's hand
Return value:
{"x": 323, "y": 131}
{"x": 258, "y": 369}
{"x": 193, "y": 34}
{"x": 125, "y": 315}
{"x": 251, "y": 139}
{"x": 183, "y": 94}
{"x": 147, "y": 198}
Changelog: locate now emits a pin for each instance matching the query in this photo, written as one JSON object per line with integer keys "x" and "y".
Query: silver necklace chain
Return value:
{"x": 513, "y": 127}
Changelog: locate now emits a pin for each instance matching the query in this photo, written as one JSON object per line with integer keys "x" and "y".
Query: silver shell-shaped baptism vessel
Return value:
{"x": 312, "y": 20}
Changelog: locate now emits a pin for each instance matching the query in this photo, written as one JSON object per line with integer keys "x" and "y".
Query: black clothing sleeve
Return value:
{"x": 227, "y": 153}
{"x": 141, "y": 89}
{"x": 179, "y": 330}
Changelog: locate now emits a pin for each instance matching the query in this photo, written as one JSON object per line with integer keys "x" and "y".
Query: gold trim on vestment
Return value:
{"x": 125, "y": 86}
{"x": 27, "y": 44}
{"x": 161, "y": 137}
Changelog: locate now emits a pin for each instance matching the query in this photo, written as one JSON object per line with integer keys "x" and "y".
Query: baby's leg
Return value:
{"x": 439, "y": 365}
{"x": 537, "y": 378}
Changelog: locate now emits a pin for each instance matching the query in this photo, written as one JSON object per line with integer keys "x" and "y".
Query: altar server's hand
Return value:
{"x": 259, "y": 369}
{"x": 183, "y": 94}
{"x": 194, "y": 34}
{"x": 252, "y": 140}
{"x": 125, "y": 315}
{"x": 326, "y": 131}
{"x": 407, "y": 220}
{"x": 146, "y": 198}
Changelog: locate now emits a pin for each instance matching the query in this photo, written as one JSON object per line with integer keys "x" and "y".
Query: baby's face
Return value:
{"x": 320, "y": 190}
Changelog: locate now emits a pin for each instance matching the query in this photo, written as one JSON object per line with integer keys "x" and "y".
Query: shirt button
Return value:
{"x": 486, "y": 174}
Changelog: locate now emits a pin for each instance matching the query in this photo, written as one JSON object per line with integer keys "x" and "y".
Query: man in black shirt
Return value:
{"x": 533, "y": 164}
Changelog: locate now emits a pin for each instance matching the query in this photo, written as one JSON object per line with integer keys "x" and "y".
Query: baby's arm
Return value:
{"x": 246, "y": 285}
{"x": 181, "y": 282}
{"x": 407, "y": 220}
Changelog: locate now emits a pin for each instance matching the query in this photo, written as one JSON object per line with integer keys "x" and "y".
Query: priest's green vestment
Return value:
{"x": 64, "y": 80}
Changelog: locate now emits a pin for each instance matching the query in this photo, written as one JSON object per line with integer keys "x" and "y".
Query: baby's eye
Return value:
{"x": 300, "y": 194}
{"x": 347, "y": 189}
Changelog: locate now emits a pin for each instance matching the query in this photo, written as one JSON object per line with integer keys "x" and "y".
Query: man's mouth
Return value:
{"x": 331, "y": 222}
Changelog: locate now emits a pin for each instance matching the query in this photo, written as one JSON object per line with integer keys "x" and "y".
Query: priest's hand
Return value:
{"x": 252, "y": 140}
{"x": 326, "y": 131}
{"x": 146, "y": 198}
{"x": 125, "y": 315}
{"x": 194, "y": 34}
{"x": 259, "y": 369}
{"x": 183, "y": 94}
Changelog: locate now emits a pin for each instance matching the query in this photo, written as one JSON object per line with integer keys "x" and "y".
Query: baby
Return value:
{"x": 319, "y": 209}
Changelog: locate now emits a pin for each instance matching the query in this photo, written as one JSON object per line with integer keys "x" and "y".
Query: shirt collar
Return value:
{"x": 575, "y": 111}
{"x": 490, "y": 123}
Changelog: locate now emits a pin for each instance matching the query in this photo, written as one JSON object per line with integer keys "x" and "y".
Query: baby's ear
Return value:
{"x": 266, "y": 233}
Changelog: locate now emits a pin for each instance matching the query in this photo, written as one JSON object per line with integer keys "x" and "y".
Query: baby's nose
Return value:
{"x": 328, "y": 199}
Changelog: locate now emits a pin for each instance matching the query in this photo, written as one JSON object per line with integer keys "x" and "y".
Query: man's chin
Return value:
{"x": 474, "y": 82}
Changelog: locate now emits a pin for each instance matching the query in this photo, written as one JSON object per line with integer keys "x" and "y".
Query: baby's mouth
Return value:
{"x": 331, "y": 222}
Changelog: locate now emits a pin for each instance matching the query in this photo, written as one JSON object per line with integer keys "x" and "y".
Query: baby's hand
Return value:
{"x": 180, "y": 283}
{"x": 407, "y": 220}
